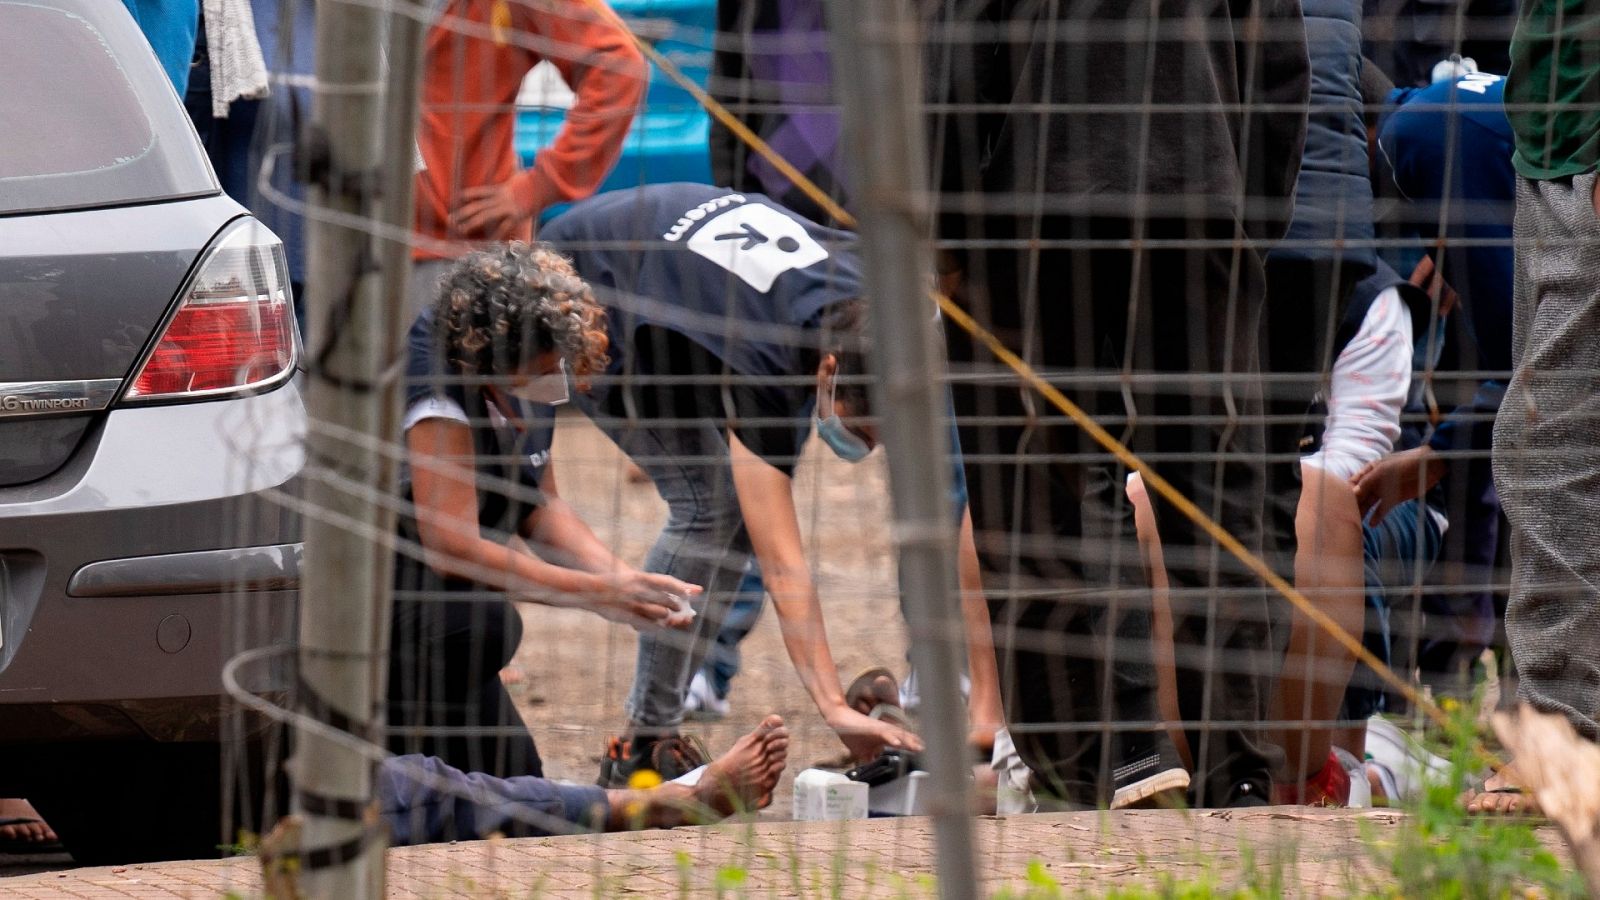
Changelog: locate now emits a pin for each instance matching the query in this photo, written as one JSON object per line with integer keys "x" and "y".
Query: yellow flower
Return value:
{"x": 644, "y": 780}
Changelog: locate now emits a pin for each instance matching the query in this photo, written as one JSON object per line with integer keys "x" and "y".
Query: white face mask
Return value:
{"x": 548, "y": 390}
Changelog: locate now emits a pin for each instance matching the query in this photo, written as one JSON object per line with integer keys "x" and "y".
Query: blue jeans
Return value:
{"x": 704, "y": 543}
{"x": 1398, "y": 553}
{"x": 722, "y": 660}
{"x": 425, "y": 800}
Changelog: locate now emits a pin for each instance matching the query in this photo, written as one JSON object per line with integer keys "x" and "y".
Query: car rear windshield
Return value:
{"x": 88, "y": 116}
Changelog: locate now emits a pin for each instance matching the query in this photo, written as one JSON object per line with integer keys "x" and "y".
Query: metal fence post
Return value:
{"x": 875, "y": 53}
{"x": 356, "y": 284}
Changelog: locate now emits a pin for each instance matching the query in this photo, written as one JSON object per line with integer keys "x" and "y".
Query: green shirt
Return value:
{"x": 1553, "y": 91}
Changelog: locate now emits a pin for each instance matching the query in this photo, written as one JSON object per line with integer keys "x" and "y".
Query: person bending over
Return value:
{"x": 486, "y": 366}
{"x": 736, "y": 326}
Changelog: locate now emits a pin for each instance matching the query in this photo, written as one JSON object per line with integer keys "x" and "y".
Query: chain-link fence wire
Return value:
{"x": 1112, "y": 192}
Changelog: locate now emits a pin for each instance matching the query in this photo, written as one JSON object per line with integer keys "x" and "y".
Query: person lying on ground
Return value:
{"x": 736, "y": 327}
{"x": 487, "y": 365}
{"x": 425, "y": 800}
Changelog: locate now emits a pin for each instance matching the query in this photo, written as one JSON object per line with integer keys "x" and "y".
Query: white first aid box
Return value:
{"x": 821, "y": 796}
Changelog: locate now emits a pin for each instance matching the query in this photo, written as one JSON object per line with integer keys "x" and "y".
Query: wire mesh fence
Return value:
{"x": 1214, "y": 308}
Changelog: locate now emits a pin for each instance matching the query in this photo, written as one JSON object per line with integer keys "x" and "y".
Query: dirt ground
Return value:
{"x": 578, "y": 667}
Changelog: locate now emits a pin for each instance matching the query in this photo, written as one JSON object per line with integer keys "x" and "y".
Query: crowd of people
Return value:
{"x": 1281, "y": 272}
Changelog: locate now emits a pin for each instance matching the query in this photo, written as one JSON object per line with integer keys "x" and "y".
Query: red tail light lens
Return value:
{"x": 234, "y": 330}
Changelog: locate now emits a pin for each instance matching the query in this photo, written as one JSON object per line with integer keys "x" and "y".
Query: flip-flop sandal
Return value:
{"x": 23, "y": 846}
{"x": 864, "y": 690}
{"x": 879, "y": 691}
{"x": 677, "y": 756}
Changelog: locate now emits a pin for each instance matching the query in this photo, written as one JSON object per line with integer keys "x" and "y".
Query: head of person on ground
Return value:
{"x": 488, "y": 362}
{"x": 733, "y": 313}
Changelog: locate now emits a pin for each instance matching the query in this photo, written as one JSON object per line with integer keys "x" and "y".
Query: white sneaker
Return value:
{"x": 702, "y": 704}
{"x": 1360, "y": 787}
{"x": 1409, "y": 767}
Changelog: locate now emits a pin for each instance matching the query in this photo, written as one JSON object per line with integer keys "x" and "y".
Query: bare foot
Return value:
{"x": 31, "y": 832}
{"x": 741, "y": 779}
{"x": 1502, "y": 795}
{"x": 744, "y": 777}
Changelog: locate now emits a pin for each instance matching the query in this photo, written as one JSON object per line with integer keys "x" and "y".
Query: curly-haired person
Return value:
{"x": 487, "y": 363}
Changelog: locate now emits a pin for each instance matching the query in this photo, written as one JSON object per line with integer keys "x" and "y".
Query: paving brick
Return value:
{"x": 879, "y": 857}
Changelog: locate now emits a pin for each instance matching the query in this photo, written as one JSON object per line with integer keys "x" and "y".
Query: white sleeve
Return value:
{"x": 433, "y": 407}
{"x": 1370, "y": 381}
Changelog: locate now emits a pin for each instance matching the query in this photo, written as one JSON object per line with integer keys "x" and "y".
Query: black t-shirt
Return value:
{"x": 771, "y": 419}
{"x": 510, "y": 454}
{"x": 701, "y": 282}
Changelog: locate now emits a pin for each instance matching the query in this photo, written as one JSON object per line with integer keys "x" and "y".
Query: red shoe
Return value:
{"x": 1329, "y": 787}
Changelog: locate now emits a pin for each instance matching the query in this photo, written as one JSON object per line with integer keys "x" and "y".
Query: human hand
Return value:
{"x": 490, "y": 211}
{"x": 866, "y": 737}
{"x": 1398, "y": 477}
{"x": 649, "y": 600}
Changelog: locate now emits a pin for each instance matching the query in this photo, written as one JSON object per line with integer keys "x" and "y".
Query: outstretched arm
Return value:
{"x": 766, "y": 501}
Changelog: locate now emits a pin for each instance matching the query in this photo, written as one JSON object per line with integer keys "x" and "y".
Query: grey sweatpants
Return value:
{"x": 1547, "y": 451}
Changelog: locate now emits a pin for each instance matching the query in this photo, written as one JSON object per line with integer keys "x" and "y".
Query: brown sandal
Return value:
{"x": 876, "y": 693}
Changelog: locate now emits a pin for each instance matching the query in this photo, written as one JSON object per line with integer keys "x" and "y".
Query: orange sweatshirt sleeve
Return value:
{"x": 597, "y": 58}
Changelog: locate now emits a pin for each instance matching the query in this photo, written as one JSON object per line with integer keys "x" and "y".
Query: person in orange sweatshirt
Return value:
{"x": 471, "y": 189}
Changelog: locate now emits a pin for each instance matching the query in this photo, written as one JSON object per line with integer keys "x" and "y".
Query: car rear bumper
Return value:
{"x": 124, "y": 588}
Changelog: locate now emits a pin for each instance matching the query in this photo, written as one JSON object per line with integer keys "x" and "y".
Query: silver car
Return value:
{"x": 150, "y": 426}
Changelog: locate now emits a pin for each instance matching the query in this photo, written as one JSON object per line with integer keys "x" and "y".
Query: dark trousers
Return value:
{"x": 1068, "y": 590}
{"x": 445, "y": 695}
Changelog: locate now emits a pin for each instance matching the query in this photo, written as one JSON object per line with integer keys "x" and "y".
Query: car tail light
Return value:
{"x": 234, "y": 328}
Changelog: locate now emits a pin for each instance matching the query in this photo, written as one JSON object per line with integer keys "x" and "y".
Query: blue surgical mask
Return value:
{"x": 846, "y": 444}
